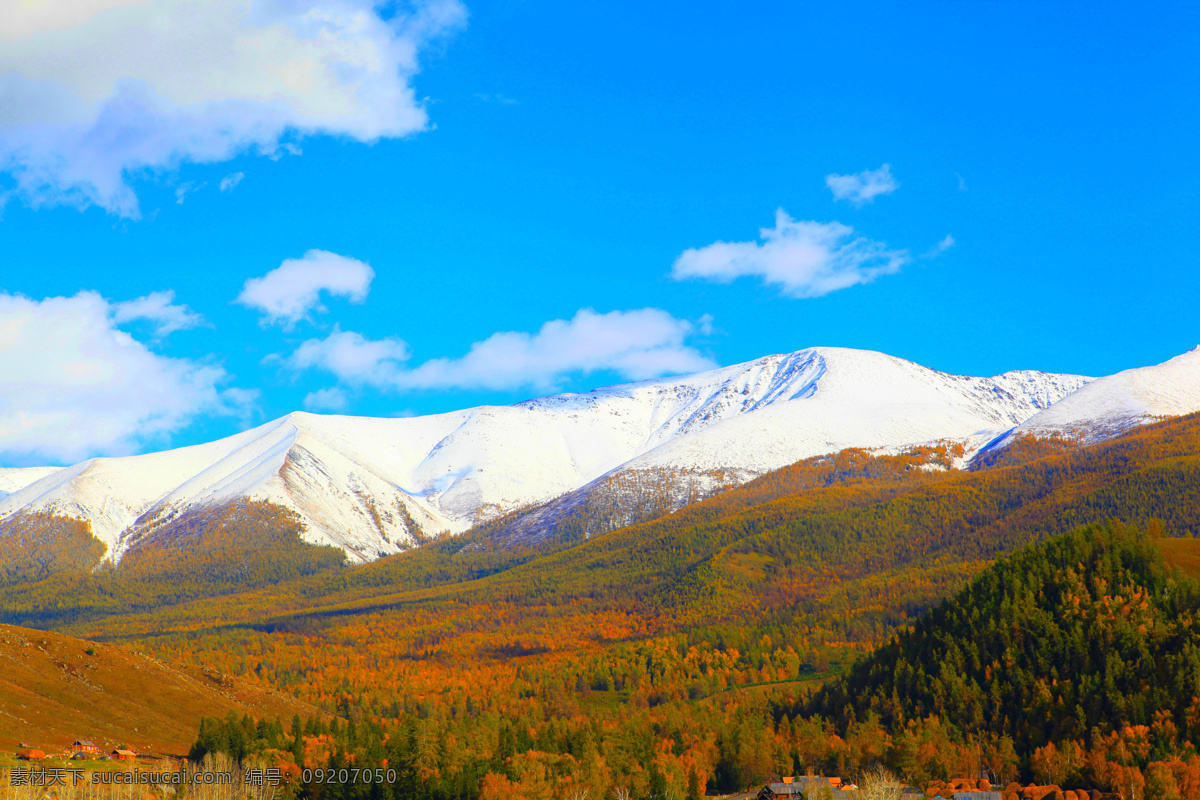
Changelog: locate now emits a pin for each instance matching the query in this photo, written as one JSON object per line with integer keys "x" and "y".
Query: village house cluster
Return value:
{"x": 81, "y": 749}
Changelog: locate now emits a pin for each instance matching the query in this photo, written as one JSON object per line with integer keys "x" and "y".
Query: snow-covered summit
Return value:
{"x": 865, "y": 399}
{"x": 1112, "y": 405}
{"x": 374, "y": 485}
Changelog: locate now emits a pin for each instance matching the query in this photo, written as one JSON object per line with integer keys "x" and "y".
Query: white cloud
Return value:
{"x": 289, "y": 292}
{"x": 328, "y": 399}
{"x": 232, "y": 180}
{"x": 151, "y": 84}
{"x": 160, "y": 309}
{"x": 635, "y": 344}
{"x": 352, "y": 357}
{"x": 73, "y": 385}
{"x": 805, "y": 259}
{"x": 862, "y": 187}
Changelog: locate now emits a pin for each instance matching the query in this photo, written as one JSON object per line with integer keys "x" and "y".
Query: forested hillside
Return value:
{"x": 1078, "y": 659}
{"x": 1074, "y": 663}
{"x": 682, "y": 646}
{"x": 55, "y": 574}
{"x": 39, "y": 546}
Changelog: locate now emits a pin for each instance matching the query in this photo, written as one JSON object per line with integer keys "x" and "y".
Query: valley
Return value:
{"x": 619, "y": 639}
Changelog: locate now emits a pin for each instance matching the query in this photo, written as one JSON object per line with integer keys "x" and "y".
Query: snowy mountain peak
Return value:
{"x": 373, "y": 486}
{"x": 1111, "y": 405}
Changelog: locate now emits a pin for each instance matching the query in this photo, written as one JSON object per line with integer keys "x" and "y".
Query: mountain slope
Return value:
{"x": 55, "y": 689}
{"x": 681, "y": 622}
{"x": 1112, "y": 405}
{"x": 376, "y": 486}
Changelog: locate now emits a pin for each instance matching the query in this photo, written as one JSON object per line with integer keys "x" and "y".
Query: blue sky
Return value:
{"x": 490, "y": 168}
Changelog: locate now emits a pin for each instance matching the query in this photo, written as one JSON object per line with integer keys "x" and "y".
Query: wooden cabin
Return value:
{"x": 121, "y": 754}
{"x": 85, "y": 746}
{"x": 796, "y": 787}
{"x": 781, "y": 790}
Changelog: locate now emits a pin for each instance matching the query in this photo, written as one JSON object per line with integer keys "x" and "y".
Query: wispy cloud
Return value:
{"x": 282, "y": 149}
{"x": 328, "y": 399}
{"x": 204, "y": 82}
{"x": 498, "y": 99}
{"x": 160, "y": 309}
{"x": 862, "y": 187}
{"x": 288, "y": 293}
{"x": 229, "y": 182}
{"x": 804, "y": 259}
{"x": 941, "y": 247}
{"x": 184, "y": 189}
{"x": 635, "y": 344}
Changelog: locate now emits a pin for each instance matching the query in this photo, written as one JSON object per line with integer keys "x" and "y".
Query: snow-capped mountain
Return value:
{"x": 1111, "y": 405}
{"x": 16, "y": 478}
{"x": 373, "y": 486}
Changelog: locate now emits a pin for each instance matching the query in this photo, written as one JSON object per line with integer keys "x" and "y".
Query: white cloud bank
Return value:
{"x": 73, "y": 385}
{"x": 150, "y": 84}
{"x": 862, "y": 187}
{"x": 637, "y": 344}
{"x": 804, "y": 259}
{"x": 289, "y": 292}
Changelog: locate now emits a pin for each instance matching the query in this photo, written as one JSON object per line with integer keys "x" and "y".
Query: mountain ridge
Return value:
{"x": 374, "y": 486}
